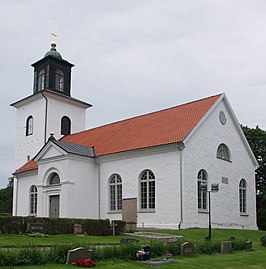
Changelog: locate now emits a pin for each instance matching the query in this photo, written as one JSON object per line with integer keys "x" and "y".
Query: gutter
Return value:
{"x": 45, "y": 119}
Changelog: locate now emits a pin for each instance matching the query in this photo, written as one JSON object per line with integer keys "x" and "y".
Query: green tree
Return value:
{"x": 257, "y": 141}
{"x": 6, "y": 197}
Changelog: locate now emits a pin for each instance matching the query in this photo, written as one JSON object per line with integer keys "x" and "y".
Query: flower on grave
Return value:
{"x": 84, "y": 263}
{"x": 168, "y": 254}
{"x": 140, "y": 253}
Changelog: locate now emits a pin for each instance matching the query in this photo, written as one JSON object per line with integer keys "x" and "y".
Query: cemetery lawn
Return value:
{"x": 236, "y": 260}
{"x": 192, "y": 235}
{"x": 23, "y": 240}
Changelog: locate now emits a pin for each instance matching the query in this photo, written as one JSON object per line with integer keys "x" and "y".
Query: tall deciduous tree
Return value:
{"x": 6, "y": 197}
{"x": 257, "y": 140}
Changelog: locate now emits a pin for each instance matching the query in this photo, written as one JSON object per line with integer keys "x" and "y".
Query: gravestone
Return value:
{"x": 232, "y": 238}
{"x": 113, "y": 225}
{"x": 127, "y": 241}
{"x": 248, "y": 246}
{"x": 263, "y": 240}
{"x": 226, "y": 247}
{"x": 77, "y": 229}
{"x": 35, "y": 228}
{"x": 79, "y": 253}
{"x": 187, "y": 249}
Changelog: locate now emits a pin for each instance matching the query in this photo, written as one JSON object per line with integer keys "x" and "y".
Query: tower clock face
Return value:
{"x": 222, "y": 118}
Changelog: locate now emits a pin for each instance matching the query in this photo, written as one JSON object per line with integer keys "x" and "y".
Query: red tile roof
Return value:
{"x": 30, "y": 165}
{"x": 158, "y": 128}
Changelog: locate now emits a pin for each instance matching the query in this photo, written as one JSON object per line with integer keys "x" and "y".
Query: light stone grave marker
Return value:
{"x": 248, "y": 246}
{"x": 187, "y": 249}
{"x": 77, "y": 229}
{"x": 263, "y": 240}
{"x": 78, "y": 253}
{"x": 226, "y": 247}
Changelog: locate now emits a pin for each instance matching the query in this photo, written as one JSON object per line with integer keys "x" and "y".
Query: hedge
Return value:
{"x": 58, "y": 253}
{"x": 16, "y": 225}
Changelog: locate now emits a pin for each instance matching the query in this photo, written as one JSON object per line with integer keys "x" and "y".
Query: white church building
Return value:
{"x": 147, "y": 169}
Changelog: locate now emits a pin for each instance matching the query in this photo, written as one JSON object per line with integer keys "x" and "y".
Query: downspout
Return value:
{"x": 45, "y": 119}
{"x": 15, "y": 197}
{"x": 180, "y": 148}
{"x": 99, "y": 182}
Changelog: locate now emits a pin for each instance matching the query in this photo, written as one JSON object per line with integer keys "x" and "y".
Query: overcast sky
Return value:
{"x": 136, "y": 56}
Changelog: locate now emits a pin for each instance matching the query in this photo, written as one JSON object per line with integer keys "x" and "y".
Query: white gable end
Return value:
{"x": 50, "y": 151}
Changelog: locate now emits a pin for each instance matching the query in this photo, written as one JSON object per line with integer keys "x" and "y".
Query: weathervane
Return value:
{"x": 54, "y": 37}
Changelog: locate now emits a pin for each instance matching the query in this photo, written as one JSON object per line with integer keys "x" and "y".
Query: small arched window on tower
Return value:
{"x": 59, "y": 80}
{"x": 65, "y": 125}
{"x": 41, "y": 80}
{"x": 29, "y": 126}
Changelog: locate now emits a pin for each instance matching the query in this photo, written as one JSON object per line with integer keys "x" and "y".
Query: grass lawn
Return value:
{"x": 193, "y": 235}
{"x": 237, "y": 260}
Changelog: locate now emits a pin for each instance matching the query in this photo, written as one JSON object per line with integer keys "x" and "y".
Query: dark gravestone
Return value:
{"x": 248, "y": 246}
{"x": 226, "y": 247}
{"x": 79, "y": 253}
{"x": 127, "y": 241}
{"x": 263, "y": 240}
{"x": 77, "y": 229}
{"x": 35, "y": 228}
{"x": 187, "y": 249}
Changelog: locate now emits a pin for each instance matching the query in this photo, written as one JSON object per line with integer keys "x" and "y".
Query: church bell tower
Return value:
{"x": 52, "y": 73}
{"x": 49, "y": 109}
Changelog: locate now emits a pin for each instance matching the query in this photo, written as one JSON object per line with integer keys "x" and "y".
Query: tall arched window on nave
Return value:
{"x": 147, "y": 190}
{"x": 33, "y": 200}
{"x": 115, "y": 187}
{"x": 243, "y": 196}
{"x": 202, "y": 195}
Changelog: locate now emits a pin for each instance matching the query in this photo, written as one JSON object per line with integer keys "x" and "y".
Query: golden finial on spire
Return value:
{"x": 53, "y": 43}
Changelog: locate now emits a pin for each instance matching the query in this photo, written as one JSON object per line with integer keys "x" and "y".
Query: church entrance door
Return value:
{"x": 129, "y": 210}
{"x": 54, "y": 206}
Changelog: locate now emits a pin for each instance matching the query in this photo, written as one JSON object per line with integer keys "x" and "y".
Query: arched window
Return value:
{"x": 41, "y": 80}
{"x": 54, "y": 179}
{"x": 65, "y": 125}
{"x": 243, "y": 196}
{"x": 59, "y": 80}
{"x": 29, "y": 126}
{"x": 147, "y": 190}
{"x": 115, "y": 185}
{"x": 33, "y": 200}
{"x": 202, "y": 195}
{"x": 223, "y": 152}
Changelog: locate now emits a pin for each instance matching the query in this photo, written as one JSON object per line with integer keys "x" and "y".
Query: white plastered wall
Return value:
{"x": 29, "y": 145}
{"x": 200, "y": 153}
{"x": 35, "y": 106}
{"x": 164, "y": 163}
{"x": 77, "y": 189}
